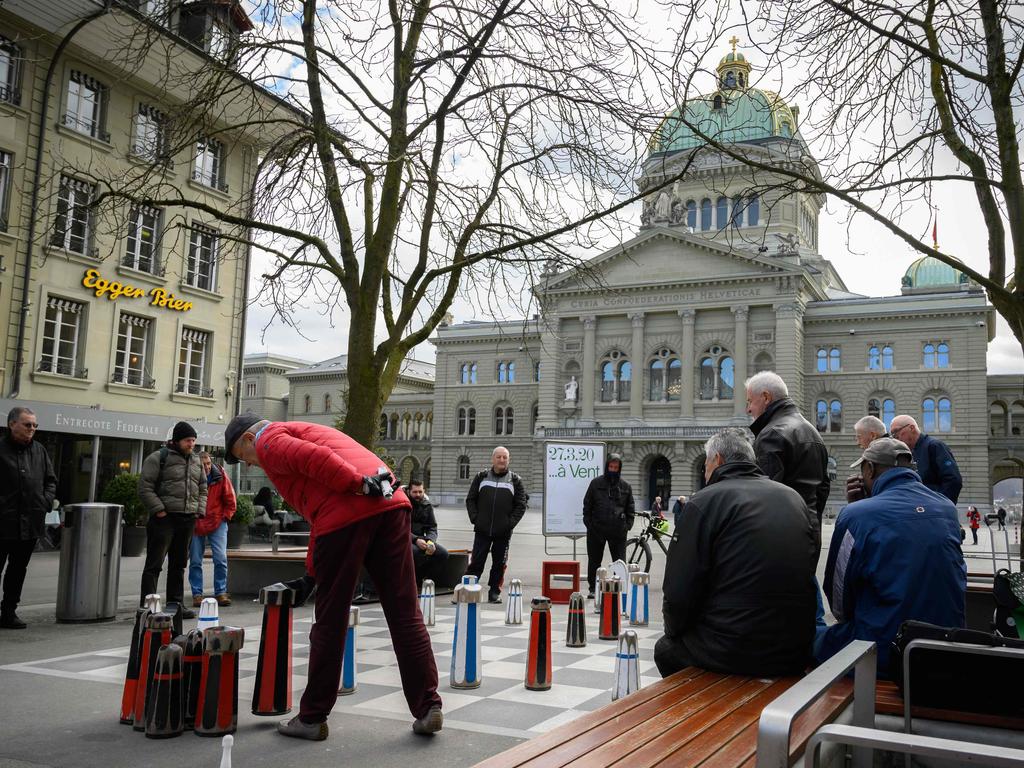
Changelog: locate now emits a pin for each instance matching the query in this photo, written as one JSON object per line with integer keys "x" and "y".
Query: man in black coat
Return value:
{"x": 936, "y": 465}
{"x": 738, "y": 591}
{"x": 427, "y": 555}
{"x": 608, "y": 511}
{"x": 27, "y": 489}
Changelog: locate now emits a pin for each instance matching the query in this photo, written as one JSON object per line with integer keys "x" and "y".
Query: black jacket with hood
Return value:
{"x": 608, "y": 504}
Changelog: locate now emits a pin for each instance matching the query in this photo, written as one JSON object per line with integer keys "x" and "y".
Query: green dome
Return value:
{"x": 929, "y": 272}
{"x": 731, "y": 58}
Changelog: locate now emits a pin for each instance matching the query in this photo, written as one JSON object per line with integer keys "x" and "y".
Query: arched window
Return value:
{"x": 716, "y": 103}
{"x": 327, "y": 403}
{"x": 726, "y": 378}
{"x": 393, "y": 431}
{"x": 607, "y": 382}
{"x": 511, "y": 373}
{"x": 722, "y": 212}
{"x": 464, "y": 373}
{"x": 502, "y": 372}
{"x": 673, "y": 379}
{"x": 662, "y": 367}
{"x": 763, "y": 362}
{"x": 740, "y": 79}
{"x": 883, "y": 408}
{"x": 887, "y": 358}
{"x": 615, "y": 388}
{"x": 997, "y": 419}
{"x": 503, "y": 420}
{"x": 753, "y": 211}
{"x": 534, "y": 418}
{"x": 625, "y": 380}
{"x": 786, "y": 131}
{"x": 874, "y": 359}
{"x": 536, "y": 371}
{"x": 417, "y": 429}
{"x": 307, "y": 404}
{"x": 1017, "y": 417}
{"x": 472, "y": 373}
{"x": 936, "y": 355}
{"x": 707, "y": 379}
{"x": 822, "y": 366}
{"x": 657, "y": 380}
{"x": 828, "y": 415}
{"x": 466, "y": 422}
{"x": 705, "y": 214}
{"x": 737, "y": 212}
{"x": 691, "y": 214}
{"x": 463, "y": 465}
{"x": 834, "y": 361}
{"x": 938, "y": 414}
{"x": 943, "y": 356}
{"x": 382, "y": 433}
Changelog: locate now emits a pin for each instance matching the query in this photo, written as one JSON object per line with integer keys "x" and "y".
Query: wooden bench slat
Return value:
{"x": 889, "y": 702}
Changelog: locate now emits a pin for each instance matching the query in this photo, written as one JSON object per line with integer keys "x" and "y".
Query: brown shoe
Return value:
{"x": 224, "y": 599}
{"x": 197, "y": 600}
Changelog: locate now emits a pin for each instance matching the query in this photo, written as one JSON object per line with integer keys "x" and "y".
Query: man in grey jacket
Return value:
{"x": 172, "y": 488}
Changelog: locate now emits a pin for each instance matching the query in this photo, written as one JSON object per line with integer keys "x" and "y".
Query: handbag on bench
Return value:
{"x": 1008, "y": 591}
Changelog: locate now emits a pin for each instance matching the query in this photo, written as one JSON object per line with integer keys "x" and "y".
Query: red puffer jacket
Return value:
{"x": 220, "y": 502}
{"x": 319, "y": 471}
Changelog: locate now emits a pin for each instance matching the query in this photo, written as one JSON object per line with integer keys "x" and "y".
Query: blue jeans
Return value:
{"x": 219, "y": 545}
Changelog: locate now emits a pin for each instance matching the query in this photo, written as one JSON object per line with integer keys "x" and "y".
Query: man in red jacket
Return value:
{"x": 356, "y": 520}
{"x": 213, "y": 530}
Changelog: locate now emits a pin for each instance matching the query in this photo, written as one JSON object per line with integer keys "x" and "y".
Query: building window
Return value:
{"x": 664, "y": 376}
{"x": 880, "y": 358}
{"x": 726, "y": 378}
{"x": 936, "y": 355}
{"x": 5, "y": 190}
{"x": 607, "y": 382}
{"x": 73, "y": 229}
{"x": 327, "y": 403}
{"x": 888, "y": 358}
{"x": 307, "y": 404}
{"x": 131, "y": 363}
{"x": 716, "y": 103}
{"x": 883, "y": 408}
{"x": 466, "y": 421}
{"x": 506, "y": 372}
{"x": 382, "y": 433}
{"x": 763, "y": 362}
{"x": 143, "y": 236}
{"x": 737, "y": 212}
{"x": 218, "y": 42}
{"x": 829, "y": 415}
{"x": 467, "y": 373}
{"x": 393, "y": 426}
{"x": 86, "y": 106}
{"x": 753, "y": 211}
{"x": 534, "y": 418}
{"x": 616, "y": 376}
{"x": 536, "y": 371}
{"x": 722, "y": 212}
{"x": 829, "y": 360}
{"x": 938, "y": 414}
{"x": 691, "y": 214}
{"x": 717, "y": 374}
{"x": 705, "y": 214}
{"x": 503, "y": 420}
{"x": 62, "y": 331}
{"x": 209, "y": 166}
{"x": 250, "y": 389}
{"x": 149, "y": 137}
{"x": 201, "y": 270}
{"x": 192, "y": 363}
{"x": 10, "y": 72}
{"x": 463, "y": 464}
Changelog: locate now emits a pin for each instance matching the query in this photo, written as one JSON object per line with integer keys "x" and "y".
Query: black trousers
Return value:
{"x": 974, "y": 533}
{"x": 670, "y": 656}
{"x": 15, "y": 554}
{"x": 167, "y": 537}
{"x": 498, "y": 547}
{"x": 429, "y": 566}
{"x": 595, "y": 551}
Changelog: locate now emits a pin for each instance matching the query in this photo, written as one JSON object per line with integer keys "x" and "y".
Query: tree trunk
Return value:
{"x": 1012, "y": 311}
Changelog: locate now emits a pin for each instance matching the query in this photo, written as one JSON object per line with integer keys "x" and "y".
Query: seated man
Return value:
{"x": 739, "y": 594}
{"x": 428, "y": 556}
{"x": 894, "y": 556}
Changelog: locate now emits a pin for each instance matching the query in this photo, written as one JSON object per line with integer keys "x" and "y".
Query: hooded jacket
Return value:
{"x": 220, "y": 502}
{"x": 28, "y": 487}
{"x": 182, "y": 484}
{"x": 739, "y": 593}
{"x": 790, "y": 451}
{"x": 608, "y": 504}
{"x": 424, "y": 523}
{"x": 496, "y": 503}
{"x": 894, "y": 556}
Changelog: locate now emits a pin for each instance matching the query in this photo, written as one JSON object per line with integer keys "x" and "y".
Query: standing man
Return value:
{"x": 496, "y": 502}
{"x": 428, "y": 556}
{"x": 213, "y": 530}
{"x": 1001, "y": 517}
{"x": 867, "y": 430}
{"x": 788, "y": 448}
{"x": 172, "y": 488}
{"x": 935, "y": 462}
{"x": 608, "y": 512}
{"x": 338, "y": 486}
{"x": 27, "y": 489}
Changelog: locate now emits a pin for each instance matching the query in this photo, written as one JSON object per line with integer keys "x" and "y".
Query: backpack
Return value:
{"x": 164, "y": 450}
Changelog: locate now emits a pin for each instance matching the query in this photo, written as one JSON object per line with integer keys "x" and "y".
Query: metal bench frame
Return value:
{"x": 275, "y": 539}
{"x": 869, "y": 739}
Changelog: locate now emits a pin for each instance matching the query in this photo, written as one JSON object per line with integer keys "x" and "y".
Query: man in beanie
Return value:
{"x": 172, "y": 488}
{"x": 608, "y": 511}
{"x": 357, "y": 520}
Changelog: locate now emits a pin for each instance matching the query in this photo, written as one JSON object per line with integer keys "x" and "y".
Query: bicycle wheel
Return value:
{"x": 639, "y": 551}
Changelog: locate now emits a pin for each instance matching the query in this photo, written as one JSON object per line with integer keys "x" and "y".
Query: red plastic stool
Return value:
{"x": 551, "y": 568}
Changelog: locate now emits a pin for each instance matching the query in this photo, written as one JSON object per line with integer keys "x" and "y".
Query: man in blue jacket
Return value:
{"x": 894, "y": 556}
{"x": 935, "y": 462}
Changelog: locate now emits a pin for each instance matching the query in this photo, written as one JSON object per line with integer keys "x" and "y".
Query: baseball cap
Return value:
{"x": 886, "y": 451}
{"x": 234, "y": 430}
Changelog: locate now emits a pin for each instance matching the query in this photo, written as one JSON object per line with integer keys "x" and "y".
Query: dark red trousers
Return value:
{"x": 381, "y": 543}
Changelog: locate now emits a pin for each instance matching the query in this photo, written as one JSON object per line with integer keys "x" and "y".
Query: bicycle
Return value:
{"x": 638, "y": 550}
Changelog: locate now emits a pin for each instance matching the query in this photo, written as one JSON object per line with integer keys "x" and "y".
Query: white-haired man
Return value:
{"x": 866, "y": 430}
{"x": 936, "y": 464}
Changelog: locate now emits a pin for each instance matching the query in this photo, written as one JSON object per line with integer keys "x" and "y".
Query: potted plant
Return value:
{"x": 124, "y": 490}
{"x": 238, "y": 526}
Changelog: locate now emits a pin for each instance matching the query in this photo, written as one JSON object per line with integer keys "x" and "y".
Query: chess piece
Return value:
{"x": 272, "y": 694}
{"x": 466, "y": 669}
{"x": 217, "y": 713}
{"x": 611, "y": 592}
{"x": 152, "y": 601}
{"x": 514, "y": 607}
{"x": 348, "y": 659}
{"x": 466, "y": 580}
{"x": 156, "y": 634}
{"x": 602, "y": 574}
{"x": 208, "y": 614}
{"x": 164, "y": 711}
{"x": 427, "y": 602}
{"x": 576, "y": 629}
{"x": 538, "y": 656}
{"x": 627, "y": 666}
{"x": 639, "y": 610}
{"x": 620, "y": 569}
{"x": 631, "y": 568}
{"x": 192, "y": 673}
{"x": 225, "y": 751}
{"x": 176, "y": 617}
{"x": 131, "y": 675}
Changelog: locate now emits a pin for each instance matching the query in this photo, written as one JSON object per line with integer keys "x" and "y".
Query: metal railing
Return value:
{"x": 205, "y": 179}
{"x": 63, "y": 369}
{"x": 88, "y": 127}
{"x": 275, "y": 538}
{"x": 864, "y": 739}
{"x": 676, "y": 431}
{"x": 134, "y": 379}
{"x": 193, "y": 389}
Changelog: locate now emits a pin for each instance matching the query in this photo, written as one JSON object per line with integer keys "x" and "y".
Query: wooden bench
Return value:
{"x": 249, "y": 570}
{"x": 707, "y": 719}
{"x": 889, "y": 702}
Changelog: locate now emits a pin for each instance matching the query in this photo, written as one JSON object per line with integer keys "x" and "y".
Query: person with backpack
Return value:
{"x": 213, "y": 530}
{"x": 172, "y": 488}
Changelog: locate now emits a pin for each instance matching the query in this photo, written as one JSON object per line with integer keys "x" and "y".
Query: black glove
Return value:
{"x": 304, "y": 587}
{"x": 379, "y": 484}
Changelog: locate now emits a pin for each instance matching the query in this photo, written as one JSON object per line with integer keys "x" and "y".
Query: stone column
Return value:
{"x": 550, "y": 388}
{"x": 636, "y": 359}
{"x": 588, "y": 374}
{"x": 740, "y": 362}
{"x": 789, "y": 348}
{"x": 688, "y": 354}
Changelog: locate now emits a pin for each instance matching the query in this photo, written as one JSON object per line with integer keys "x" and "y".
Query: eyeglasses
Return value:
{"x": 30, "y": 426}
{"x": 894, "y": 432}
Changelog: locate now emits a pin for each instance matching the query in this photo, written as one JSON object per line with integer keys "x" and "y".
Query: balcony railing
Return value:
{"x": 63, "y": 369}
{"x": 192, "y": 388}
{"x": 88, "y": 127}
{"x": 206, "y": 181}
{"x": 157, "y": 269}
{"x": 10, "y": 95}
{"x": 134, "y": 379}
{"x": 626, "y": 432}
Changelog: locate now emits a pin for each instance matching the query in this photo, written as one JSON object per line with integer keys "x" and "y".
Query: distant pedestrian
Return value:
{"x": 496, "y": 502}
{"x": 28, "y": 487}
{"x": 213, "y": 530}
{"x": 608, "y": 512}
{"x": 974, "y": 518}
{"x": 935, "y": 462}
{"x": 1001, "y": 517}
{"x": 657, "y": 509}
{"x": 677, "y": 510}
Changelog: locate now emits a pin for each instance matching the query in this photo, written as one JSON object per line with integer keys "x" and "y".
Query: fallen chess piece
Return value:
{"x": 225, "y": 751}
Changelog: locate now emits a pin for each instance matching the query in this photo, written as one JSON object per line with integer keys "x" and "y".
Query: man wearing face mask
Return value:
{"x": 608, "y": 512}
{"x": 895, "y": 556}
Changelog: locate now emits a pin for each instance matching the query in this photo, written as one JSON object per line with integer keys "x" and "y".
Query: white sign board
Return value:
{"x": 568, "y": 470}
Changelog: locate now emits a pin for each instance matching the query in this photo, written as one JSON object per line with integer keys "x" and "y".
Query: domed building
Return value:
{"x": 929, "y": 275}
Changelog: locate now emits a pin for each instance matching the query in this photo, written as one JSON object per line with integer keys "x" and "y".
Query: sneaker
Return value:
{"x": 590, "y": 595}
{"x": 430, "y": 723}
{"x": 300, "y": 730}
{"x": 224, "y": 599}
{"x": 11, "y": 621}
{"x": 188, "y": 613}
{"x": 494, "y": 597}
{"x": 197, "y": 600}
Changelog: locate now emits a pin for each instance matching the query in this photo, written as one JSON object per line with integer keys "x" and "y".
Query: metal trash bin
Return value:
{"x": 90, "y": 562}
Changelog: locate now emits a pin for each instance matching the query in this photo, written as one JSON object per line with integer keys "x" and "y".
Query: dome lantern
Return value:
{"x": 733, "y": 69}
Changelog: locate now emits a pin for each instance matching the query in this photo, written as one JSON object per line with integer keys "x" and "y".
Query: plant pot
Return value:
{"x": 133, "y": 541}
{"x": 236, "y": 535}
